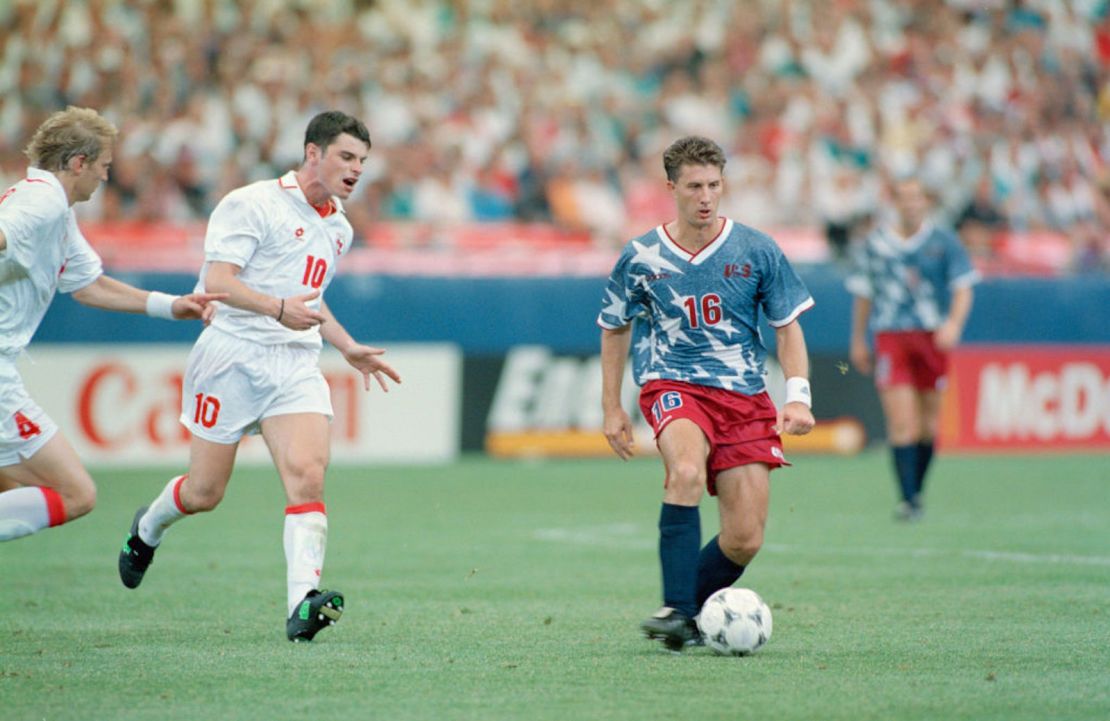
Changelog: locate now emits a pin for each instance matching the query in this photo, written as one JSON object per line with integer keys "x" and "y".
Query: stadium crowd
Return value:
{"x": 558, "y": 110}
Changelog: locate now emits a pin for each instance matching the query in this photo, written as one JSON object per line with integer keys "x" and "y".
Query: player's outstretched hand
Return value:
{"x": 365, "y": 360}
{"x": 296, "y": 315}
{"x": 618, "y": 431}
{"x": 795, "y": 419}
{"x": 196, "y": 305}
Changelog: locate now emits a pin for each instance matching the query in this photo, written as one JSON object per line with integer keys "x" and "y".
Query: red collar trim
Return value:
{"x": 724, "y": 224}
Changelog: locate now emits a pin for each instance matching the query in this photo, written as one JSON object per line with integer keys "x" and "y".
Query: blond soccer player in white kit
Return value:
{"x": 272, "y": 246}
{"x": 42, "y": 251}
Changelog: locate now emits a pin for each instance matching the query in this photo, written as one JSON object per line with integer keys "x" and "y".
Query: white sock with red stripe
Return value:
{"x": 28, "y": 510}
{"x": 305, "y": 538}
{"x": 163, "y": 513}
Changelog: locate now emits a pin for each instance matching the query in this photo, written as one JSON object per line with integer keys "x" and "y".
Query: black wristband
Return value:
{"x": 281, "y": 312}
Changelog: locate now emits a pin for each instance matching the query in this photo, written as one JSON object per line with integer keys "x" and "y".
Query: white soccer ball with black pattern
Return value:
{"x": 735, "y": 621}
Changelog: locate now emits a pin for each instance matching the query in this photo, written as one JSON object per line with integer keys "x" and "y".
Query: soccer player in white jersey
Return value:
{"x": 42, "y": 481}
{"x": 912, "y": 286}
{"x": 686, "y": 297}
{"x": 272, "y": 246}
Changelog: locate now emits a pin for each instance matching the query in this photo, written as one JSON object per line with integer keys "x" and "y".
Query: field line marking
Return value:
{"x": 632, "y": 536}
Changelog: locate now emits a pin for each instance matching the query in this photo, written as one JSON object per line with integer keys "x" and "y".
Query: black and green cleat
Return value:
{"x": 318, "y": 610}
{"x": 135, "y": 556}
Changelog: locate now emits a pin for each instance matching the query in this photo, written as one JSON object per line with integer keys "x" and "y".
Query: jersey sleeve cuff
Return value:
{"x": 966, "y": 280}
{"x": 858, "y": 287}
{"x": 225, "y": 258}
{"x": 802, "y": 308}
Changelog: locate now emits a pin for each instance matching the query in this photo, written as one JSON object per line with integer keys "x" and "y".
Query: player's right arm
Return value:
{"x": 617, "y": 425}
{"x": 949, "y": 332}
{"x": 291, "y": 312}
{"x": 859, "y": 352}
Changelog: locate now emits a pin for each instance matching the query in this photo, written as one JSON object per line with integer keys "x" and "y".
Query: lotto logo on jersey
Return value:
{"x": 25, "y": 426}
{"x": 665, "y": 404}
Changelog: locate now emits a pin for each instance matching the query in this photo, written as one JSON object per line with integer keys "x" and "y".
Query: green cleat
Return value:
{"x": 318, "y": 610}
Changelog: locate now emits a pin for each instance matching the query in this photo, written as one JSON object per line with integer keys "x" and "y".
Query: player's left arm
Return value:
{"x": 795, "y": 416}
{"x": 110, "y": 294}
{"x": 947, "y": 335}
{"x": 363, "y": 358}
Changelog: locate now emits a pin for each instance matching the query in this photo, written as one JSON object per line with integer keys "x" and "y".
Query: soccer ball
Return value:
{"x": 735, "y": 621}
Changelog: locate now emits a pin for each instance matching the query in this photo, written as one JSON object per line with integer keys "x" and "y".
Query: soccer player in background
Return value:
{"x": 686, "y": 298}
{"x": 42, "y": 251}
{"x": 912, "y": 285}
{"x": 272, "y": 247}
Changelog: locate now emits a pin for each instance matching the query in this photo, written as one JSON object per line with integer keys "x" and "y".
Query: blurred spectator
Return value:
{"x": 980, "y": 220}
{"x": 488, "y": 104}
{"x": 489, "y": 195}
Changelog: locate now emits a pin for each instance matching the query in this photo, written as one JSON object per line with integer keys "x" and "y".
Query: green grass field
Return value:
{"x": 512, "y": 590}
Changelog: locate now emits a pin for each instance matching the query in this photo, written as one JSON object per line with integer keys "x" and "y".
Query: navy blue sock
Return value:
{"x": 924, "y": 458}
{"x": 679, "y": 539}
{"x": 905, "y": 466}
{"x": 715, "y": 570}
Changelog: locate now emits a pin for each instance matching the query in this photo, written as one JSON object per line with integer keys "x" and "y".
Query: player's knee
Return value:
{"x": 686, "y": 479}
{"x": 741, "y": 548}
{"x": 79, "y": 500}
{"x": 201, "y": 500}
{"x": 903, "y": 432}
{"x": 306, "y": 480}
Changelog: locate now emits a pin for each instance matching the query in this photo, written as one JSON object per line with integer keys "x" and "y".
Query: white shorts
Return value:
{"x": 231, "y": 385}
{"x": 24, "y": 426}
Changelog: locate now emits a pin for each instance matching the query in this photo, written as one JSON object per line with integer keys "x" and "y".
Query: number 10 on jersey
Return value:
{"x": 314, "y": 271}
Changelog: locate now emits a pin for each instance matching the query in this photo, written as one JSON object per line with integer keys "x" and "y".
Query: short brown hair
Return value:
{"x": 691, "y": 150}
{"x": 67, "y": 134}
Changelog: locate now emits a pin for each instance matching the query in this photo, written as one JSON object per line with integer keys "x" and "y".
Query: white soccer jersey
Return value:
{"x": 45, "y": 253}
{"x": 284, "y": 247}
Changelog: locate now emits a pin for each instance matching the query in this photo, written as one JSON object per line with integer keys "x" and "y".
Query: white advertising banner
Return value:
{"x": 118, "y": 404}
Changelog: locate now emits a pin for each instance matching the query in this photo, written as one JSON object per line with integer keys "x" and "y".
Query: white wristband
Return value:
{"x": 160, "y": 305}
{"x": 797, "y": 391}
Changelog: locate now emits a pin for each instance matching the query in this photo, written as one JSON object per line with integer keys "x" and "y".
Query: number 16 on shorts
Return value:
{"x": 665, "y": 404}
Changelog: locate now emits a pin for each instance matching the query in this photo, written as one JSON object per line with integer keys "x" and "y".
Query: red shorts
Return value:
{"x": 740, "y": 428}
{"x": 909, "y": 357}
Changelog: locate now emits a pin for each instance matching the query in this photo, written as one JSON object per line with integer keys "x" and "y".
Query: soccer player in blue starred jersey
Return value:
{"x": 912, "y": 284}
{"x": 686, "y": 298}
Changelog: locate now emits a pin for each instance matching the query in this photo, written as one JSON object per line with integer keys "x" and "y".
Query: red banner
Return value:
{"x": 1027, "y": 398}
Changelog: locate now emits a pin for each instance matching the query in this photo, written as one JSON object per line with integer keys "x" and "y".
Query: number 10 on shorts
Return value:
{"x": 664, "y": 403}
{"x": 207, "y": 410}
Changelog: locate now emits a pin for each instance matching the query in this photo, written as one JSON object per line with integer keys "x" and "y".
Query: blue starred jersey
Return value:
{"x": 696, "y": 315}
{"x": 909, "y": 280}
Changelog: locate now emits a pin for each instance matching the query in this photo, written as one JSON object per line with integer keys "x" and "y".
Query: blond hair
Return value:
{"x": 67, "y": 134}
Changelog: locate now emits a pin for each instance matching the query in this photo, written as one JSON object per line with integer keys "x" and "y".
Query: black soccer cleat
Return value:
{"x": 135, "y": 556}
{"x": 675, "y": 629}
{"x": 318, "y": 610}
